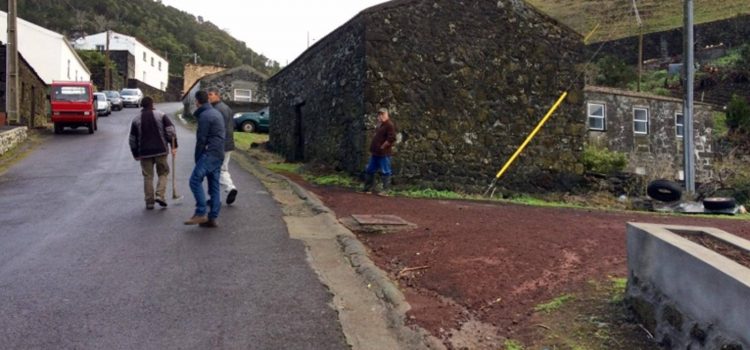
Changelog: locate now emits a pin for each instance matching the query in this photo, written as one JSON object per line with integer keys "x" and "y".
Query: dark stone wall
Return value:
{"x": 148, "y": 90}
{"x": 466, "y": 83}
{"x": 32, "y": 98}
{"x": 732, "y": 32}
{"x": 125, "y": 67}
{"x": 317, "y": 102}
{"x": 174, "y": 89}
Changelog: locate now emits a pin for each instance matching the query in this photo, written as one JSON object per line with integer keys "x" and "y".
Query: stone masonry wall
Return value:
{"x": 658, "y": 154}
{"x": 317, "y": 102}
{"x": 11, "y": 137}
{"x": 193, "y": 72}
{"x": 466, "y": 82}
{"x": 32, "y": 93}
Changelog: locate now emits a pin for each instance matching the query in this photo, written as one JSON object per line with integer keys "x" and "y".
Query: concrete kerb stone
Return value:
{"x": 357, "y": 255}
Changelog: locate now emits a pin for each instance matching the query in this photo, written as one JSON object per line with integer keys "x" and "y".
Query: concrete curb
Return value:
{"x": 356, "y": 253}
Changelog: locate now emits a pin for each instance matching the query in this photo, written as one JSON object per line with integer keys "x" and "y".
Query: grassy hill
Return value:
{"x": 169, "y": 31}
{"x": 618, "y": 19}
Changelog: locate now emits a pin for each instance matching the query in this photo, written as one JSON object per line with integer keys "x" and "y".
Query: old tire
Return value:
{"x": 719, "y": 203}
{"x": 664, "y": 190}
{"x": 248, "y": 126}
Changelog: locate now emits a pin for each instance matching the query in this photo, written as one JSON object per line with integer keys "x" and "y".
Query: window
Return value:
{"x": 76, "y": 74}
{"x": 597, "y": 116}
{"x": 68, "y": 69}
{"x": 144, "y": 57}
{"x": 152, "y": 61}
{"x": 640, "y": 120}
{"x": 242, "y": 95}
{"x": 679, "y": 124}
{"x": 160, "y": 66}
{"x": 99, "y": 47}
{"x": 144, "y": 76}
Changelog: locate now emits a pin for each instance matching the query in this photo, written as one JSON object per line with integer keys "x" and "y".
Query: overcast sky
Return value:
{"x": 275, "y": 28}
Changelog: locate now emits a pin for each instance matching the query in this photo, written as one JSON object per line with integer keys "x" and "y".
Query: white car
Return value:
{"x": 103, "y": 106}
{"x": 131, "y": 97}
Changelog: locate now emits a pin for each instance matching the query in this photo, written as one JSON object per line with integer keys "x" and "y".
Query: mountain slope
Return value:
{"x": 170, "y": 32}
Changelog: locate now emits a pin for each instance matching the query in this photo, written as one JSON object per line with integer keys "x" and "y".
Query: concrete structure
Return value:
{"x": 48, "y": 53}
{"x": 10, "y": 137}
{"x": 150, "y": 68}
{"x": 32, "y": 92}
{"x": 686, "y": 295}
{"x": 243, "y": 88}
{"x": 648, "y": 128}
{"x": 465, "y": 82}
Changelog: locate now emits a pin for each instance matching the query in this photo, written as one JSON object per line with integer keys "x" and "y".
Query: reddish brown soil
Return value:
{"x": 496, "y": 262}
{"x": 719, "y": 246}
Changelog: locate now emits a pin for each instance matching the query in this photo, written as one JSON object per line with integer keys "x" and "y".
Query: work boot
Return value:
{"x": 232, "y": 196}
{"x": 386, "y": 186}
{"x": 211, "y": 223}
{"x": 150, "y": 206}
{"x": 197, "y": 220}
{"x": 161, "y": 202}
{"x": 369, "y": 182}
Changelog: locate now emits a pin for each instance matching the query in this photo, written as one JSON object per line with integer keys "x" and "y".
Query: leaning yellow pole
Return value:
{"x": 586, "y": 39}
{"x": 531, "y": 136}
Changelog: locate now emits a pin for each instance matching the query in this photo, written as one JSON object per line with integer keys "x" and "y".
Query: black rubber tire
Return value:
{"x": 248, "y": 127}
{"x": 719, "y": 203}
{"x": 58, "y": 128}
{"x": 91, "y": 127}
{"x": 664, "y": 190}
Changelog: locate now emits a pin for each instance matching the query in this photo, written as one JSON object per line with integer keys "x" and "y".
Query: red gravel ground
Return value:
{"x": 495, "y": 262}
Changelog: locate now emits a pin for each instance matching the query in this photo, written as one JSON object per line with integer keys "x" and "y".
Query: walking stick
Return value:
{"x": 175, "y": 197}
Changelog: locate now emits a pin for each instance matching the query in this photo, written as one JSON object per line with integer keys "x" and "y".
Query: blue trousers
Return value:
{"x": 207, "y": 167}
{"x": 379, "y": 163}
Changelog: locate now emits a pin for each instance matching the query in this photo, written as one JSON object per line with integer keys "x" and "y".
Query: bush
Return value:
{"x": 614, "y": 72}
{"x": 738, "y": 114}
{"x": 600, "y": 160}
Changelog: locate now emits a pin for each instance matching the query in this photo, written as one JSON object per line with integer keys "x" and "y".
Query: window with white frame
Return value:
{"x": 597, "y": 116}
{"x": 640, "y": 120}
{"x": 99, "y": 47}
{"x": 68, "y": 69}
{"x": 152, "y": 61}
{"x": 243, "y": 95}
{"x": 144, "y": 57}
{"x": 679, "y": 124}
{"x": 160, "y": 66}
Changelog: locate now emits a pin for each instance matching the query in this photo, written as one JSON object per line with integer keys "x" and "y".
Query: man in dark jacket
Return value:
{"x": 209, "y": 155}
{"x": 152, "y": 134}
{"x": 381, "y": 152}
{"x": 214, "y": 96}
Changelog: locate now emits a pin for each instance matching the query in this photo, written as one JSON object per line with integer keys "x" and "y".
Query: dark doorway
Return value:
{"x": 32, "y": 122}
{"x": 299, "y": 133}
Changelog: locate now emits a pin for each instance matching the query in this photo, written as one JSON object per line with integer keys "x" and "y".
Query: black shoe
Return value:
{"x": 369, "y": 183}
{"x": 161, "y": 202}
{"x": 232, "y": 196}
{"x": 150, "y": 206}
{"x": 211, "y": 223}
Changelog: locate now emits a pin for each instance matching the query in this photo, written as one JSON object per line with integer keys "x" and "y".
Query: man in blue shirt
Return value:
{"x": 209, "y": 156}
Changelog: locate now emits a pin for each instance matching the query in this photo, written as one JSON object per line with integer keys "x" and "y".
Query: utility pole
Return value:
{"x": 640, "y": 45}
{"x": 107, "y": 64}
{"x": 11, "y": 89}
{"x": 689, "y": 71}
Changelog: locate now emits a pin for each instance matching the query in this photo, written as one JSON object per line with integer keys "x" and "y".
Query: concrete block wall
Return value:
{"x": 11, "y": 137}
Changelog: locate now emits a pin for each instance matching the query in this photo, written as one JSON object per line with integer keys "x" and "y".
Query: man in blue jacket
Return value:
{"x": 209, "y": 155}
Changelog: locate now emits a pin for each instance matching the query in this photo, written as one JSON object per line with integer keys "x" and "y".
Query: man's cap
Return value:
{"x": 383, "y": 110}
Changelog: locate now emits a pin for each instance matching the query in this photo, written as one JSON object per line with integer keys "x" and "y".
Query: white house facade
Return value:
{"x": 150, "y": 68}
{"x": 49, "y": 53}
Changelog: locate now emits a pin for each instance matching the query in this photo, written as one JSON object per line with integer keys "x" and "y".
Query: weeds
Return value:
{"x": 511, "y": 344}
{"x": 332, "y": 180}
{"x": 283, "y": 167}
{"x": 554, "y": 304}
{"x": 243, "y": 140}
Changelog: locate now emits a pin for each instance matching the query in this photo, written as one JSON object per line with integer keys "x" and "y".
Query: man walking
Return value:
{"x": 151, "y": 136}
{"x": 209, "y": 155}
{"x": 380, "y": 153}
{"x": 214, "y": 96}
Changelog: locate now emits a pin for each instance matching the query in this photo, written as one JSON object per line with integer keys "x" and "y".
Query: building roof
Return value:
{"x": 628, "y": 93}
{"x": 226, "y": 72}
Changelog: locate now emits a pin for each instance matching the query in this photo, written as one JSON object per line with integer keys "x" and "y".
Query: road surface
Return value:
{"x": 83, "y": 265}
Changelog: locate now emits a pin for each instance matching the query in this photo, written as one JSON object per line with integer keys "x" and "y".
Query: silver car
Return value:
{"x": 131, "y": 97}
{"x": 115, "y": 99}
{"x": 103, "y": 106}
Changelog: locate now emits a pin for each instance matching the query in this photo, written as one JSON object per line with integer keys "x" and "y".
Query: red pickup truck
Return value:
{"x": 72, "y": 105}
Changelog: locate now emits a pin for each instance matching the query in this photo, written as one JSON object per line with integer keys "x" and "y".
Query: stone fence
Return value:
{"x": 10, "y": 137}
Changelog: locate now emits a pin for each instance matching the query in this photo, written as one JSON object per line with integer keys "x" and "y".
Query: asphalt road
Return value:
{"x": 83, "y": 265}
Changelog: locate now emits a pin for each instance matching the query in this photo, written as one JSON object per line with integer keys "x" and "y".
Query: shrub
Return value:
{"x": 600, "y": 160}
{"x": 614, "y": 72}
{"x": 738, "y": 114}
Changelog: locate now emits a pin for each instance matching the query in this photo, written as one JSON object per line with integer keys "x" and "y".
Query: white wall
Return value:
{"x": 46, "y": 51}
{"x": 155, "y": 76}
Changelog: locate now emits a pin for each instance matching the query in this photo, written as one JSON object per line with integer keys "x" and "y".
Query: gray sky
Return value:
{"x": 276, "y": 28}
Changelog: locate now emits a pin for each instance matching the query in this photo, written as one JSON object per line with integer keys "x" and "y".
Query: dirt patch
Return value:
{"x": 728, "y": 250}
{"x": 494, "y": 263}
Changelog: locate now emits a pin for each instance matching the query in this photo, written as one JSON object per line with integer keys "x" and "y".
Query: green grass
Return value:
{"x": 511, "y": 344}
{"x": 652, "y": 82}
{"x": 243, "y": 140}
{"x": 554, "y": 304}
{"x": 332, "y": 180}
{"x": 720, "y": 128}
{"x": 430, "y": 193}
{"x": 283, "y": 167}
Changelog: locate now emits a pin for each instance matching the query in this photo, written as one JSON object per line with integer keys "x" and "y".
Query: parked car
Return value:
{"x": 131, "y": 97}
{"x": 103, "y": 107}
{"x": 252, "y": 121}
{"x": 72, "y": 105}
{"x": 115, "y": 99}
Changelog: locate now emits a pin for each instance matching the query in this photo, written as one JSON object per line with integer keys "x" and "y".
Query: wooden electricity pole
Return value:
{"x": 640, "y": 44}
{"x": 11, "y": 89}
{"x": 107, "y": 64}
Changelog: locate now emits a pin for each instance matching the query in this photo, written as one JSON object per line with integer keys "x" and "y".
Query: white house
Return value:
{"x": 150, "y": 68}
{"x": 49, "y": 53}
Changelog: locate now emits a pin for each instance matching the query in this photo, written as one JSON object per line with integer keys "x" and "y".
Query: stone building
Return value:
{"x": 32, "y": 92}
{"x": 243, "y": 88}
{"x": 649, "y": 129}
{"x": 193, "y": 72}
{"x": 465, "y": 81}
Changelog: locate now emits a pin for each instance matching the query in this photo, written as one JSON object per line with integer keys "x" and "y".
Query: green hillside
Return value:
{"x": 171, "y": 32}
{"x": 618, "y": 20}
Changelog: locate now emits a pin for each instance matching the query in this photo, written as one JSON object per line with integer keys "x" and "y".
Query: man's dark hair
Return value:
{"x": 214, "y": 90}
{"x": 202, "y": 97}
{"x": 147, "y": 103}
